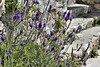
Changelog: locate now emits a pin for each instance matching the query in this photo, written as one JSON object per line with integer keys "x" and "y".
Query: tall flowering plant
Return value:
{"x": 26, "y": 44}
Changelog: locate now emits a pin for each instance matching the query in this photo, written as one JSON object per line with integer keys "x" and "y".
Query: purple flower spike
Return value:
{"x": 40, "y": 25}
{"x": 31, "y": 25}
{"x": 70, "y": 19}
{"x": 62, "y": 48}
{"x": 63, "y": 15}
{"x": 44, "y": 43}
{"x": 70, "y": 35}
{"x": 68, "y": 15}
{"x": 52, "y": 33}
{"x": 11, "y": 52}
{"x": 47, "y": 50}
{"x": 37, "y": 14}
{"x": 64, "y": 31}
{"x": 50, "y": 6}
{"x": 56, "y": 38}
{"x": 22, "y": 13}
{"x": 37, "y": 63}
{"x": 66, "y": 18}
{"x": 32, "y": 18}
{"x": 46, "y": 36}
{"x": 29, "y": 6}
{"x": 37, "y": 18}
{"x": 22, "y": 44}
{"x": 53, "y": 48}
{"x": 73, "y": 30}
{"x": 76, "y": 31}
{"x": 44, "y": 24}
{"x": 3, "y": 38}
{"x": 61, "y": 43}
{"x": 22, "y": 19}
{"x": 65, "y": 12}
{"x": 15, "y": 8}
{"x": 0, "y": 60}
{"x": 37, "y": 2}
{"x": 84, "y": 63}
{"x": 36, "y": 26}
{"x": 89, "y": 43}
{"x": 79, "y": 27}
{"x": 18, "y": 16}
{"x": 14, "y": 17}
{"x": 34, "y": 1}
{"x": 78, "y": 56}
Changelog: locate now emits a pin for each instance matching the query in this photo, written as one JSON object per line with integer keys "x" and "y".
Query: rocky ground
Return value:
{"x": 83, "y": 14}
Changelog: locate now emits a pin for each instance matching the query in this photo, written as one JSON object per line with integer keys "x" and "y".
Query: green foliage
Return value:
{"x": 10, "y": 4}
{"x": 79, "y": 1}
{"x": 94, "y": 53}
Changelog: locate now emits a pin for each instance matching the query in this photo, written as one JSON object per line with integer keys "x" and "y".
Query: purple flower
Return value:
{"x": 15, "y": 16}
{"x": 11, "y": 52}
{"x": 64, "y": 42}
{"x": 66, "y": 18}
{"x": 62, "y": 48}
{"x": 37, "y": 63}
{"x": 58, "y": 57}
{"x": 34, "y": 1}
{"x": 16, "y": 1}
{"x": 68, "y": 15}
{"x": 22, "y": 44}
{"x": 22, "y": 13}
{"x": 40, "y": 25}
{"x": 0, "y": 60}
{"x": 37, "y": 14}
{"x": 70, "y": 35}
{"x": 84, "y": 63}
{"x": 70, "y": 19}
{"x": 44, "y": 24}
{"x": 79, "y": 27}
{"x": 76, "y": 31}
{"x": 51, "y": 33}
{"x": 37, "y": 18}
{"x": 15, "y": 8}
{"x": 27, "y": 4}
{"x": 49, "y": 11}
{"x": 3, "y": 38}
{"x": 73, "y": 30}
{"x": 36, "y": 26}
{"x": 37, "y": 2}
{"x": 56, "y": 38}
{"x": 65, "y": 12}
{"x": 31, "y": 25}
{"x": 32, "y": 18}
{"x": 78, "y": 56}
{"x": 63, "y": 15}
{"x": 44, "y": 43}
{"x": 18, "y": 16}
{"x": 64, "y": 31}
{"x": 47, "y": 50}
{"x": 53, "y": 48}
{"x": 46, "y": 36}
{"x": 61, "y": 43}
{"x": 50, "y": 6}
{"x": 89, "y": 43}
{"x": 22, "y": 19}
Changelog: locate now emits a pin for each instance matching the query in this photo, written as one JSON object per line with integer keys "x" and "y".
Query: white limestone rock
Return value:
{"x": 2, "y": 7}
